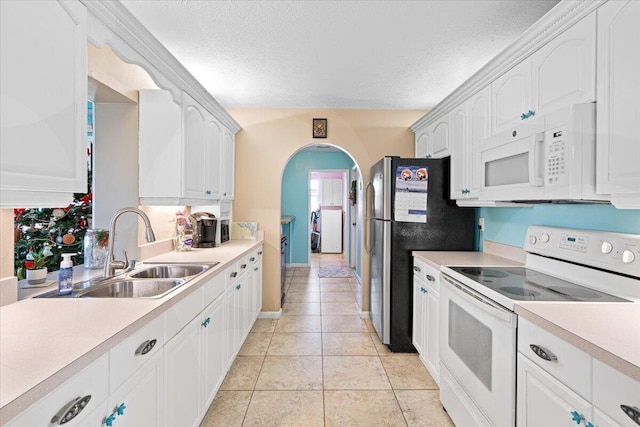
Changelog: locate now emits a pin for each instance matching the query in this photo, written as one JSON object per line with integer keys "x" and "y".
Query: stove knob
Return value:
{"x": 533, "y": 239}
{"x": 544, "y": 238}
{"x": 628, "y": 257}
{"x": 606, "y": 247}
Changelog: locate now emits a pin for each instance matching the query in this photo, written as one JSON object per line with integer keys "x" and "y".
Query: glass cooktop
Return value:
{"x": 522, "y": 284}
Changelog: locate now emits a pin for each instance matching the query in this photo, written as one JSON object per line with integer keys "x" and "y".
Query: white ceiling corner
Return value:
{"x": 405, "y": 55}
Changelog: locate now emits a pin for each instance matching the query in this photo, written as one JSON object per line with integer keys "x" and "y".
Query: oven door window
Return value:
{"x": 471, "y": 341}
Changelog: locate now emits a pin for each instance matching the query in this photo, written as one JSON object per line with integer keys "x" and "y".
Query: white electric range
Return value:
{"x": 478, "y": 324}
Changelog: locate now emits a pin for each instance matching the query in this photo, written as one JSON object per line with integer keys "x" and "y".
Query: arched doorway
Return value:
{"x": 327, "y": 225}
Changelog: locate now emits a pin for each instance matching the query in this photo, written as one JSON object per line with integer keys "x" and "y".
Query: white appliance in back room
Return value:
{"x": 478, "y": 326}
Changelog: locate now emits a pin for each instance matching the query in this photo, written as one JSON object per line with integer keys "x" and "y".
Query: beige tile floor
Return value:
{"x": 321, "y": 365}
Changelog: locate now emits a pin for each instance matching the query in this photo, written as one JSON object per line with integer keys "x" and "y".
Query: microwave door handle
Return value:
{"x": 536, "y": 176}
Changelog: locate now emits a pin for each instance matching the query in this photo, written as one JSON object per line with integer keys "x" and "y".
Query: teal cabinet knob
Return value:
{"x": 109, "y": 420}
{"x": 239, "y": 286}
{"x": 120, "y": 409}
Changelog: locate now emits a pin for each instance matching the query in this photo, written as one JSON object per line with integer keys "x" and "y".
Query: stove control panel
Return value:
{"x": 610, "y": 251}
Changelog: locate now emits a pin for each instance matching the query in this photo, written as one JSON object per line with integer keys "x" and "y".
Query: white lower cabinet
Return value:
{"x": 182, "y": 376}
{"x": 214, "y": 366}
{"x": 426, "y": 298}
{"x": 560, "y": 385}
{"x": 544, "y": 401}
{"x": 84, "y": 395}
{"x": 166, "y": 373}
{"x": 139, "y": 401}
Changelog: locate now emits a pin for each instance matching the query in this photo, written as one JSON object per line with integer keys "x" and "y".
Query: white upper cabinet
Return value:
{"x": 511, "y": 97}
{"x": 618, "y": 109}
{"x": 564, "y": 71}
{"x": 459, "y": 147}
{"x": 181, "y": 151}
{"x": 470, "y": 124}
{"x": 213, "y": 150}
{"x": 194, "y": 145}
{"x": 228, "y": 164}
{"x": 440, "y": 138}
{"x": 559, "y": 74}
{"x": 43, "y": 115}
{"x": 423, "y": 147}
{"x": 331, "y": 192}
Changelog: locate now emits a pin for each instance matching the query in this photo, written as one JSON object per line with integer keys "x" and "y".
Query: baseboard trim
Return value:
{"x": 365, "y": 315}
{"x": 297, "y": 265}
{"x": 270, "y": 314}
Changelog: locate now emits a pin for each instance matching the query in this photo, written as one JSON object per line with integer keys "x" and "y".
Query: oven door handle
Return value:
{"x": 487, "y": 305}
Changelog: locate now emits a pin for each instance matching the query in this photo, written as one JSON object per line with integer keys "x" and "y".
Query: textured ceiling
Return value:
{"x": 335, "y": 54}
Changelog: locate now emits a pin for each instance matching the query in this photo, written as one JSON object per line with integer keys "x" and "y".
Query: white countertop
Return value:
{"x": 45, "y": 341}
{"x": 610, "y": 332}
{"x": 462, "y": 258}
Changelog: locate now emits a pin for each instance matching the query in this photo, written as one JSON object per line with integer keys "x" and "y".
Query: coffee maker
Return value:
{"x": 204, "y": 229}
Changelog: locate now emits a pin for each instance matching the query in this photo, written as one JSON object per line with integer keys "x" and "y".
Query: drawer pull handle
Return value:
{"x": 416, "y": 268}
{"x": 259, "y": 252}
{"x": 70, "y": 410}
{"x": 255, "y": 269}
{"x": 252, "y": 259}
{"x": 109, "y": 420}
{"x": 238, "y": 287}
{"x": 431, "y": 278}
{"x": 234, "y": 274}
{"x": 243, "y": 266}
{"x": 146, "y": 347}
{"x": 577, "y": 417}
{"x": 631, "y": 412}
{"x": 543, "y": 353}
{"x": 206, "y": 322}
{"x": 120, "y": 409}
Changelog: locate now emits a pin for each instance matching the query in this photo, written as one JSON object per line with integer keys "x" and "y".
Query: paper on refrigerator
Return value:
{"x": 412, "y": 183}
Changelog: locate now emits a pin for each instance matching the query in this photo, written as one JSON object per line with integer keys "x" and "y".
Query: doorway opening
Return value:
{"x": 317, "y": 191}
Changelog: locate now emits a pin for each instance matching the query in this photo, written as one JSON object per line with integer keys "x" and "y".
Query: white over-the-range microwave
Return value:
{"x": 548, "y": 157}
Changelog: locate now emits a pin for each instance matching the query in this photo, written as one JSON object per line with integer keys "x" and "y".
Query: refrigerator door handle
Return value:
{"x": 367, "y": 241}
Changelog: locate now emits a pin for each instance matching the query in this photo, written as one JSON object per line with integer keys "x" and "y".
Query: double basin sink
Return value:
{"x": 150, "y": 281}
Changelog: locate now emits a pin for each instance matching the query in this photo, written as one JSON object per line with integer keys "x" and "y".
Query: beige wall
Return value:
{"x": 270, "y": 137}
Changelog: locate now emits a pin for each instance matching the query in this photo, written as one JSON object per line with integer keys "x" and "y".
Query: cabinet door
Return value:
{"x": 232, "y": 345}
{"x": 213, "y": 156}
{"x": 419, "y": 317}
{"x": 440, "y": 138}
{"x": 459, "y": 146}
{"x": 91, "y": 385}
{"x": 544, "y": 401}
{"x": 160, "y": 144}
{"x": 194, "y": 143}
{"x": 422, "y": 143}
{"x": 43, "y": 155}
{"x": 564, "y": 71}
{"x": 139, "y": 401}
{"x": 432, "y": 359}
{"x": 213, "y": 352}
{"x": 182, "y": 377}
{"x": 479, "y": 128}
{"x": 256, "y": 290}
{"x": 510, "y": 97}
{"x": 618, "y": 109}
{"x": 325, "y": 192}
{"x": 336, "y": 192}
{"x": 228, "y": 164}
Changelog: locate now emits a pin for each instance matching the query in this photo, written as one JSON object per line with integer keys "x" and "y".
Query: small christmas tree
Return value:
{"x": 62, "y": 228}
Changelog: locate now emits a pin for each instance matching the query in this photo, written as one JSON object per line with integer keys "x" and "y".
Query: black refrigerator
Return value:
{"x": 408, "y": 209}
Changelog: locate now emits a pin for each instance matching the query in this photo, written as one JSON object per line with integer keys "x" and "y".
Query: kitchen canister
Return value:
{"x": 96, "y": 242}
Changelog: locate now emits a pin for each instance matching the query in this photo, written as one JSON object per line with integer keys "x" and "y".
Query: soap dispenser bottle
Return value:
{"x": 65, "y": 275}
